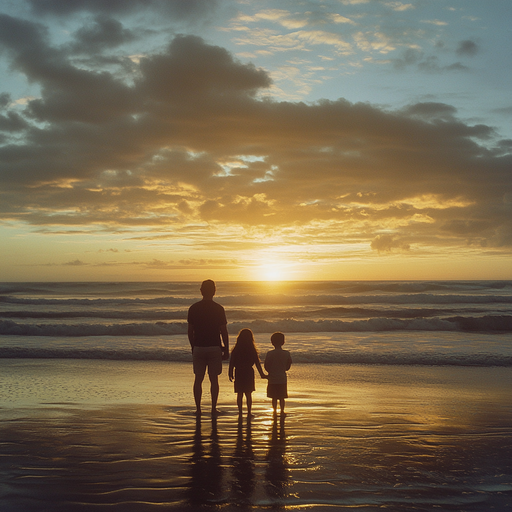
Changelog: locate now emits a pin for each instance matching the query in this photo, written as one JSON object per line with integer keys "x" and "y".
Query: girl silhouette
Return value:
{"x": 243, "y": 357}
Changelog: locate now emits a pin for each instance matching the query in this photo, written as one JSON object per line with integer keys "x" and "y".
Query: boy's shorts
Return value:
{"x": 277, "y": 390}
{"x": 210, "y": 357}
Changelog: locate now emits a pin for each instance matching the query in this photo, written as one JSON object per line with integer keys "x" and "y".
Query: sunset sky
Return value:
{"x": 247, "y": 140}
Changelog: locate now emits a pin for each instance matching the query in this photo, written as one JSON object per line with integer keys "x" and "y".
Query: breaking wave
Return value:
{"x": 361, "y": 356}
{"x": 462, "y": 323}
{"x": 490, "y": 324}
{"x": 273, "y": 299}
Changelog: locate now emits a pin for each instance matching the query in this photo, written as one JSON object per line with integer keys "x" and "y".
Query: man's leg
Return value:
{"x": 214, "y": 390}
{"x": 198, "y": 391}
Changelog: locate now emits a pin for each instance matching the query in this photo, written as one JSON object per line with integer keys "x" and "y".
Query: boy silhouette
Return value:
{"x": 277, "y": 363}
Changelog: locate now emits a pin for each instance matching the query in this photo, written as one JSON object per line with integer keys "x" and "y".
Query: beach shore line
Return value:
{"x": 122, "y": 435}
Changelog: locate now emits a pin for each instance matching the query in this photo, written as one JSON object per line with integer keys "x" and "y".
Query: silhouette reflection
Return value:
{"x": 243, "y": 483}
{"x": 276, "y": 474}
{"x": 206, "y": 468}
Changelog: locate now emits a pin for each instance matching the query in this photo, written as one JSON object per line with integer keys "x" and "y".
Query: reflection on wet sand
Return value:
{"x": 276, "y": 472}
{"x": 419, "y": 439}
{"x": 243, "y": 466}
{"x": 247, "y": 469}
{"x": 257, "y": 471}
{"x": 206, "y": 467}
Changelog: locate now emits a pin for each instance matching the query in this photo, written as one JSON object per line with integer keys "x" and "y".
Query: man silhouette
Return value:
{"x": 209, "y": 340}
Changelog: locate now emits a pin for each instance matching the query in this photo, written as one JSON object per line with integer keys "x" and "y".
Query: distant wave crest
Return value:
{"x": 8, "y": 327}
{"x": 362, "y": 357}
{"x": 271, "y": 300}
{"x": 489, "y": 323}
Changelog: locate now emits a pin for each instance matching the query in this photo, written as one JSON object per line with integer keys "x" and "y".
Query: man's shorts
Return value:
{"x": 210, "y": 357}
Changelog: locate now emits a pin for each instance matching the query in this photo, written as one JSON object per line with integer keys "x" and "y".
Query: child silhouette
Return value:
{"x": 243, "y": 357}
{"x": 277, "y": 363}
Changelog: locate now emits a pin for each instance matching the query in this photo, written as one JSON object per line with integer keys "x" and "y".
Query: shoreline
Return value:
{"x": 106, "y": 435}
{"x": 97, "y": 382}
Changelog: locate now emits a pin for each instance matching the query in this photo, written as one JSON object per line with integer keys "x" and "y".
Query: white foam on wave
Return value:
{"x": 140, "y": 320}
{"x": 271, "y": 300}
{"x": 370, "y": 348}
{"x": 489, "y": 323}
{"x": 361, "y": 357}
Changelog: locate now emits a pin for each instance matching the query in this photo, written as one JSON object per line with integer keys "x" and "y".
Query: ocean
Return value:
{"x": 460, "y": 323}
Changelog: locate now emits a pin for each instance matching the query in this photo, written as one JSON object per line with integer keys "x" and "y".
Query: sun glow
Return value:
{"x": 272, "y": 274}
{"x": 275, "y": 271}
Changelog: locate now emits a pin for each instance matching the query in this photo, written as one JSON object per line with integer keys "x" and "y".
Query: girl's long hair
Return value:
{"x": 245, "y": 346}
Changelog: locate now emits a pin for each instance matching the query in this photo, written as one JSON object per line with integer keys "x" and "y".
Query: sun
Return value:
{"x": 272, "y": 272}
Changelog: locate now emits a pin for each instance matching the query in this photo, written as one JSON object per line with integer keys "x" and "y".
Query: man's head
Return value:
{"x": 208, "y": 289}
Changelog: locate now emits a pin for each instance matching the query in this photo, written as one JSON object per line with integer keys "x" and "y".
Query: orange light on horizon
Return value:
{"x": 273, "y": 271}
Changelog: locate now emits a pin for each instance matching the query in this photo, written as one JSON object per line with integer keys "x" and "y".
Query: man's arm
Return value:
{"x": 191, "y": 336}
{"x": 231, "y": 368}
{"x": 225, "y": 340}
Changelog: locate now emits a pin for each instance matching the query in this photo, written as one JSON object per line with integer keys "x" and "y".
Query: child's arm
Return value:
{"x": 260, "y": 369}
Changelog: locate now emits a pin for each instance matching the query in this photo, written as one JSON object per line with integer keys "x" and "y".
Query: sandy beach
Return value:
{"x": 118, "y": 435}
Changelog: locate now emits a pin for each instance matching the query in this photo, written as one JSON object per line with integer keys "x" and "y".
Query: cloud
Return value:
{"x": 438, "y": 23}
{"x": 375, "y": 41}
{"x": 456, "y": 66}
{"x": 187, "y": 140}
{"x": 388, "y": 243}
{"x": 424, "y": 63}
{"x": 68, "y": 92}
{"x": 506, "y": 111}
{"x": 103, "y": 32}
{"x": 338, "y": 18}
{"x": 75, "y": 263}
{"x": 290, "y": 20}
{"x": 431, "y": 110}
{"x": 296, "y": 40}
{"x": 191, "y": 69}
{"x": 12, "y": 122}
{"x": 179, "y": 9}
{"x": 5, "y": 99}
{"x": 409, "y": 57}
{"x": 467, "y": 48}
{"x": 399, "y": 6}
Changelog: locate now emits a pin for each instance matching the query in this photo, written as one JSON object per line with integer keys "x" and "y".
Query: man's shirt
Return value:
{"x": 207, "y": 317}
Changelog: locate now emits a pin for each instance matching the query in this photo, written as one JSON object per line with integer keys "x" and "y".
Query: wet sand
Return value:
{"x": 116, "y": 435}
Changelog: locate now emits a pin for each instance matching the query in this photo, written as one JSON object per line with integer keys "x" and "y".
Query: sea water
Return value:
{"x": 461, "y": 323}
